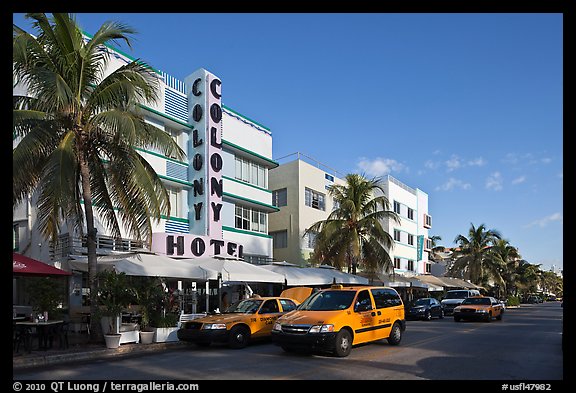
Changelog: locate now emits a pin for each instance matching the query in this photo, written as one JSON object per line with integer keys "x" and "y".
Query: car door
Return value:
{"x": 496, "y": 307}
{"x": 265, "y": 318}
{"x": 435, "y": 308}
{"x": 363, "y": 317}
{"x": 389, "y": 308}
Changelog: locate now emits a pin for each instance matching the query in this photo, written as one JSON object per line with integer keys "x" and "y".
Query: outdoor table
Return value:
{"x": 43, "y": 330}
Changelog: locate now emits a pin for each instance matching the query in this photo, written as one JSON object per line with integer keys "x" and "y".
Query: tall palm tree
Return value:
{"x": 503, "y": 258}
{"x": 527, "y": 277}
{"x": 353, "y": 234}
{"x": 78, "y": 130}
{"x": 472, "y": 252}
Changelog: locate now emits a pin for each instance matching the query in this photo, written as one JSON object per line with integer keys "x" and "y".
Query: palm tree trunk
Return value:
{"x": 91, "y": 246}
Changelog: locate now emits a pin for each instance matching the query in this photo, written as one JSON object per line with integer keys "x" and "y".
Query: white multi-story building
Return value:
{"x": 299, "y": 190}
{"x": 219, "y": 195}
{"x": 411, "y": 240}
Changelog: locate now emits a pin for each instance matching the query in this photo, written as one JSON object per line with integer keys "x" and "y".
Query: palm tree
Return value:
{"x": 472, "y": 252}
{"x": 435, "y": 248}
{"x": 527, "y": 277}
{"x": 503, "y": 258}
{"x": 353, "y": 235}
{"x": 78, "y": 130}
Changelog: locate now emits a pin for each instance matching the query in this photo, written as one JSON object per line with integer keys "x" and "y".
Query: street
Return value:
{"x": 524, "y": 346}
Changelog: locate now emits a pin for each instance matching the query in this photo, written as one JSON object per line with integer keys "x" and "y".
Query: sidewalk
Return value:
{"x": 81, "y": 350}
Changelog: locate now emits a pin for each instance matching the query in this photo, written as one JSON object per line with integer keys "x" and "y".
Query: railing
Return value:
{"x": 311, "y": 161}
{"x": 68, "y": 245}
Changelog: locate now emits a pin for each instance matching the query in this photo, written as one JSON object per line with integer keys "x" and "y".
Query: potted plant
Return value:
{"x": 114, "y": 295}
{"x": 149, "y": 296}
{"x": 166, "y": 326}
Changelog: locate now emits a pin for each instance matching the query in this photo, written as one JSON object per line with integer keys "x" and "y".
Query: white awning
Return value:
{"x": 311, "y": 276}
{"x": 147, "y": 265}
{"x": 235, "y": 270}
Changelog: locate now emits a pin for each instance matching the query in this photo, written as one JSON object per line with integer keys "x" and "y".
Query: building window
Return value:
{"x": 314, "y": 199}
{"x": 310, "y": 239}
{"x": 335, "y": 204}
{"x": 427, "y": 221}
{"x": 175, "y": 134}
{"x": 411, "y": 213}
{"x": 280, "y": 197}
{"x": 410, "y": 265}
{"x": 329, "y": 177}
{"x": 396, "y": 207}
{"x": 396, "y": 263}
{"x": 279, "y": 239}
{"x": 411, "y": 240}
{"x": 250, "y": 219}
{"x": 396, "y": 235}
{"x": 428, "y": 245}
{"x": 175, "y": 204}
{"x": 428, "y": 267}
{"x": 250, "y": 172}
{"x": 257, "y": 259}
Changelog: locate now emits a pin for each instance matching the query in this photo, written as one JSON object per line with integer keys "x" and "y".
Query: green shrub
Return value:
{"x": 513, "y": 301}
{"x": 169, "y": 320}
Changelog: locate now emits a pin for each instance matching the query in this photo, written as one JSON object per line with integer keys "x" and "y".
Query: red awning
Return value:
{"x": 27, "y": 266}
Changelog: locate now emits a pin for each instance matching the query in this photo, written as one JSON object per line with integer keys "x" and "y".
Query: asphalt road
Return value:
{"x": 524, "y": 346}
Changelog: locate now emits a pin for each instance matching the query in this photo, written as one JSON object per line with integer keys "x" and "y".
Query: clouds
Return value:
{"x": 453, "y": 163}
{"x": 452, "y": 184}
{"x": 380, "y": 166}
{"x": 456, "y": 172}
{"x": 494, "y": 182}
{"x": 543, "y": 222}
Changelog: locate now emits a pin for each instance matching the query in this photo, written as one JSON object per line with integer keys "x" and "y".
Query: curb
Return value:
{"x": 104, "y": 353}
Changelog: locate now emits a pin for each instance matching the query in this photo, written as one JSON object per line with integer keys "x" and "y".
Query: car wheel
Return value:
{"x": 441, "y": 314}
{"x": 427, "y": 316}
{"x": 395, "y": 334}
{"x": 489, "y": 318}
{"x": 203, "y": 343}
{"x": 456, "y": 319}
{"x": 343, "y": 343}
{"x": 239, "y": 337}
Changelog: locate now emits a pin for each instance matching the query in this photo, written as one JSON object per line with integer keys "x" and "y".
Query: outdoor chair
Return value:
{"x": 23, "y": 335}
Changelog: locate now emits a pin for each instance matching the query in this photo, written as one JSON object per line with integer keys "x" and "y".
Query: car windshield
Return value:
{"x": 328, "y": 301}
{"x": 421, "y": 302}
{"x": 477, "y": 300}
{"x": 457, "y": 295}
{"x": 249, "y": 306}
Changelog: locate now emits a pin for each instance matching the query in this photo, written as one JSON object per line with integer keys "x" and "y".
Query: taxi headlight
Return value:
{"x": 277, "y": 326}
{"x": 321, "y": 329}
{"x": 213, "y": 326}
{"x": 482, "y": 311}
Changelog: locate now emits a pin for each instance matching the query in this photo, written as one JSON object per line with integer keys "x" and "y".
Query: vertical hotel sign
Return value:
{"x": 420, "y": 245}
{"x": 205, "y": 103}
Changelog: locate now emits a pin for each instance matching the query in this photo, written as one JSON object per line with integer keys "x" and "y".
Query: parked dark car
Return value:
{"x": 425, "y": 308}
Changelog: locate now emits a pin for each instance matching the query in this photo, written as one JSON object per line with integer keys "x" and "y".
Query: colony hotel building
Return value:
{"x": 219, "y": 195}
{"x": 300, "y": 190}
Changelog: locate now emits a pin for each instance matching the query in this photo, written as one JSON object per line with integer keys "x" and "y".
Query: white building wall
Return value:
{"x": 240, "y": 135}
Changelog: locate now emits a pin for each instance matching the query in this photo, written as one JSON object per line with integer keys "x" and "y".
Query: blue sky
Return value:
{"x": 466, "y": 107}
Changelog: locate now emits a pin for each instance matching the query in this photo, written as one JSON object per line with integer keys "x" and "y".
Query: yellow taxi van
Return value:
{"x": 335, "y": 319}
{"x": 243, "y": 321}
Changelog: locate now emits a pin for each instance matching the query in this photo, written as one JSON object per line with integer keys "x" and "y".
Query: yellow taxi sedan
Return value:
{"x": 248, "y": 319}
{"x": 479, "y": 308}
